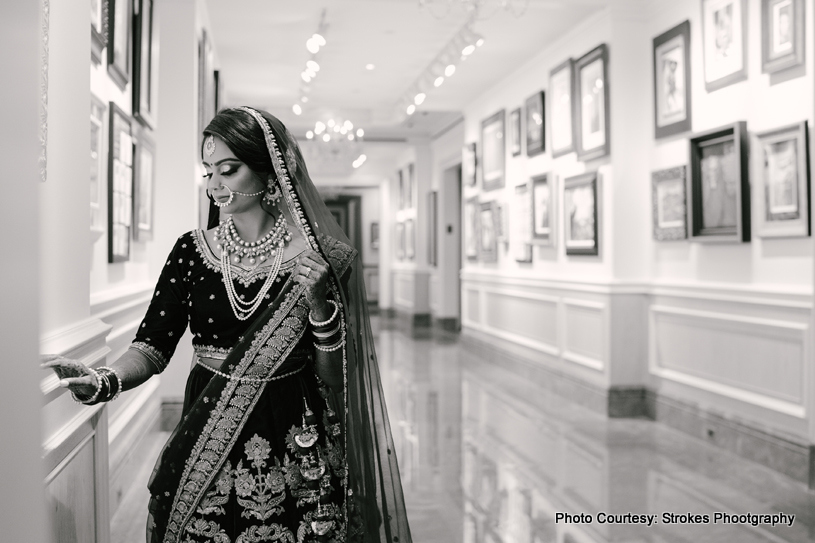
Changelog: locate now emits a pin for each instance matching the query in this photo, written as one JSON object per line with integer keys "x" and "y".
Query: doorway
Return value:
{"x": 450, "y": 256}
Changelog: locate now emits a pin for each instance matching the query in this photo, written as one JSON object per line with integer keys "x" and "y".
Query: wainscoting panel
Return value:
{"x": 472, "y": 306}
{"x": 533, "y": 317}
{"x": 585, "y": 332}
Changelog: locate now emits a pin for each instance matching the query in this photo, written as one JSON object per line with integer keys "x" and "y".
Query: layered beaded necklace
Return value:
{"x": 234, "y": 250}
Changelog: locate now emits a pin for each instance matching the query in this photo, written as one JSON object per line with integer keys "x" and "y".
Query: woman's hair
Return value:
{"x": 244, "y": 136}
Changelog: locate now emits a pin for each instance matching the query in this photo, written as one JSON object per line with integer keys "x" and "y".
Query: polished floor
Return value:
{"x": 486, "y": 457}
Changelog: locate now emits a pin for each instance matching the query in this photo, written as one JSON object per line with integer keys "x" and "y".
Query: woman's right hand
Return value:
{"x": 73, "y": 375}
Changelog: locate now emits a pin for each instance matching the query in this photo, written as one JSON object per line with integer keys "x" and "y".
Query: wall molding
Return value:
{"x": 84, "y": 341}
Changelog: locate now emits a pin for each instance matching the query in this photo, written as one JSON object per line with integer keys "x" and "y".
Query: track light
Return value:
{"x": 297, "y": 109}
{"x": 410, "y": 109}
{"x": 419, "y": 98}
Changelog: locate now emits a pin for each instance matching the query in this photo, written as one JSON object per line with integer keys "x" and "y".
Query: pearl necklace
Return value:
{"x": 272, "y": 244}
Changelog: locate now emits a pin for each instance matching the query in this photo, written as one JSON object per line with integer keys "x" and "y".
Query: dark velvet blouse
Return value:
{"x": 190, "y": 290}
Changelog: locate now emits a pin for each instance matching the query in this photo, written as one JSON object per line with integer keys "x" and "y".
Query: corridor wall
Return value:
{"x": 714, "y": 339}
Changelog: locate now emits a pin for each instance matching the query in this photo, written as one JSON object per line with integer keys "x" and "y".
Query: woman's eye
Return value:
{"x": 227, "y": 173}
{"x": 207, "y": 175}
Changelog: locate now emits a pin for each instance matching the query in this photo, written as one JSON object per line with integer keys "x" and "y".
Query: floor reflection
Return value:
{"x": 487, "y": 457}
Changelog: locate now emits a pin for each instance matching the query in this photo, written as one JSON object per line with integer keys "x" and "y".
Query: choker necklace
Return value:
{"x": 234, "y": 249}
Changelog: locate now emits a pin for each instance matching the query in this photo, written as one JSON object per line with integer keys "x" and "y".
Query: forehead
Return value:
{"x": 221, "y": 151}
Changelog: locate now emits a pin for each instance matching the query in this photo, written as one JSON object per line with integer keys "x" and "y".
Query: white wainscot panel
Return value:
{"x": 523, "y": 317}
{"x": 756, "y": 360}
{"x": 585, "y": 332}
{"x": 472, "y": 306}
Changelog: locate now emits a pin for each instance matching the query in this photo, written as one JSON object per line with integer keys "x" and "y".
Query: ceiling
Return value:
{"x": 261, "y": 50}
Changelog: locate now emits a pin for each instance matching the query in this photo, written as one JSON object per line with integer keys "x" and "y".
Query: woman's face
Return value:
{"x": 225, "y": 170}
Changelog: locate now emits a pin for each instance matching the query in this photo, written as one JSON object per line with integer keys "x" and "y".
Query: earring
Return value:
{"x": 272, "y": 196}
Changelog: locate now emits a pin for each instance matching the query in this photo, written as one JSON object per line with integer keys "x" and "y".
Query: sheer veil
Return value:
{"x": 374, "y": 484}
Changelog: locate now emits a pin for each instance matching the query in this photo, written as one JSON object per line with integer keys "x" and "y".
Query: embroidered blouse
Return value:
{"x": 190, "y": 290}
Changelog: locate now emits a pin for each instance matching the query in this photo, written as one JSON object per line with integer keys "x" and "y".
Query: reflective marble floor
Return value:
{"x": 486, "y": 457}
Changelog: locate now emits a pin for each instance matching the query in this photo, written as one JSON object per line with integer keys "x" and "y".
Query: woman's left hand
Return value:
{"x": 312, "y": 271}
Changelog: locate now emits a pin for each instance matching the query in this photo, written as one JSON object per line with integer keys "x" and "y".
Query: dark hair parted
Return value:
{"x": 244, "y": 136}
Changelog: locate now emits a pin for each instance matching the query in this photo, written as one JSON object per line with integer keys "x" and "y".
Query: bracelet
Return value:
{"x": 93, "y": 399}
{"x": 112, "y": 395}
{"x": 332, "y": 348}
{"x": 323, "y": 324}
{"x": 329, "y": 333}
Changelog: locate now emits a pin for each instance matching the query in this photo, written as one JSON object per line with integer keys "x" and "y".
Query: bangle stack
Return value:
{"x": 328, "y": 334}
{"x": 107, "y": 389}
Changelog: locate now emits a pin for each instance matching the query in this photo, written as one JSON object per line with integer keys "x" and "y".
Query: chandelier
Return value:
{"x": 337, "y": 140}
{"x": 481, "y": 9}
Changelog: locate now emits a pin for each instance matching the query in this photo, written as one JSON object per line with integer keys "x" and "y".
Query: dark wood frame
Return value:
{"x": 114, "y": 152}
{"x": 544, "y": 179}
{"x": 536, "y": 101}
{"x": 681, "y": 31}
{"x": 99, "y": 36}
{"x": 144, "y": 64}
{"x": 679, "y": 173}
{"x": 795, "y": 57}
{"x": 515, "y": 132}
{"x": 410, "y": 185}
{"x": 491, "y": 254}
{"x": 433, "y": 227}
{"x": 144, "y": 143}
{"x": 741, "y": 232}
{"x": 600, "y": 52}
{"x": 469, "y": 164}
{"x": 497, "y": 118}
{"x": 375, "y": 235}
{"x": 120, "y": 73}
{"x": 590, "y": 178}
{"x": 567, "y": 65}
{"x": 786, "y": 226}
{"x": 400, "y": 186}
{"x": 738, "y": 75}
{"x": 471, "y": 228}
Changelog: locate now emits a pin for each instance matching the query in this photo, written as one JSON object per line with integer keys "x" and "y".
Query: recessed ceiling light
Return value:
{"x": 369, "y": 66}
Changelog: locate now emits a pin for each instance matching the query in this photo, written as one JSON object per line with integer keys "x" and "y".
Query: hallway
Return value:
{"x": 486, "y": 457}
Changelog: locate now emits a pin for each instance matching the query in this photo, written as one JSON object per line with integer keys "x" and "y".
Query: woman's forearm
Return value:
{"x": 328, "y": 366}
{"x": 133, "y": 368}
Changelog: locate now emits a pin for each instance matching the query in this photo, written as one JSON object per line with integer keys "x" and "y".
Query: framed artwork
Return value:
{"x": 469, "y": 164}
{"x": 400, "y": 187}
{"x": 375, "y": 236}
{"x": 432, "y": 227}
{"x": 144, "y": 183}
{"x": 719, "y": 187}
{"x": 668, "y": 201}
{"x": 783, "y": 188}
{"x": 782, "y": 34}
{"x": 542, "y": 220}
{"x": 501, "y": 229}
{"x": 120, "y": 184}
{"x": 672, "y": 104}
{"x": 592, "y": 111}
{"x": 410, "y": 239}
{"x": 471, "y": 216}
{"x": 515, "y": 132}
{"x": 400, "y": 241}
{"x": 219, "y": 90}
{"x": 99, "y": 29}
{"x": 97, "y": 153}
{"x": 487, "y": 235}
{"x": 522, "y": 224}
{"x": 580, "y": 214}
{"x": 535, "y": 135}
{"x": 561, "y": 108}
{"x": 724, "y": 42}
{"x": 410, "y": 185}
{"x": 493, "y": 151}
{"x": 120, "y": 25}
{"x": 145, "y": 82}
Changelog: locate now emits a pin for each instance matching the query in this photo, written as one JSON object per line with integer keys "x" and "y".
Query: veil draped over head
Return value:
{"x": 373, "y": 472}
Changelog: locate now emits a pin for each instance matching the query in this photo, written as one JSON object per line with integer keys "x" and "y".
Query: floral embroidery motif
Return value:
{"x": 261, "y": 493}
{"x": 271, "y": 532}
{"x": 218, "y": 495}
{"x": 209, "y": 529}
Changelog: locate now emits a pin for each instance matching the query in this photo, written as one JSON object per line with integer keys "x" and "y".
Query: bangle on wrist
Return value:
{"x": 114, "y": 386}
{"x": 323, "y": 324}
{"x": 328, "y": 333}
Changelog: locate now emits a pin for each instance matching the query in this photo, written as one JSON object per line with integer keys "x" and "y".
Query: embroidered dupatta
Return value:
{"x": 372, "y": 486}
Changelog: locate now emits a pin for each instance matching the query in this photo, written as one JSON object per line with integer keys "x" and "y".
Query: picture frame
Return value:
{"x": 120, "y": 28}
{"x": 410, "y": 185}
{"x": 375, "y": 235}
{"x": 487, "y": 233}
{"x": 515, "y": 132}
{"x": 521, "y": 242}
{"x": 782, "y": 192}
{"x": 144, "y": 183}
{"x": 782, "y": 34}
{"x": 724, "y": 42}
{"x": 432, "y": 227}
{"x": 97, "y": 173}
{"x": 410, "y": 239}
{"x": 99, "y": 29}
{"x": 120, "y": 184}
{"x": 672, "y": 81}
{"x": 400, "y": 240}
{"x": 145, "y": 76}
{"x": 469, "y": 164}
{"x": 561, "y": 108}
{"x": 471, "y": 216}
{"x": 718, "y": 185}
{"x": 493, "y": 152}
{"x": 592, "y": 108}
{"x": 669, "y": 203}
{"x": 543, "y": 201}
{"x": 535, "y": 125}
{"x": 580, "y": 214}
{"x": 219, "y": 90}
{"x": 400, "y": 187}
{"x": 502, "y": 233}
